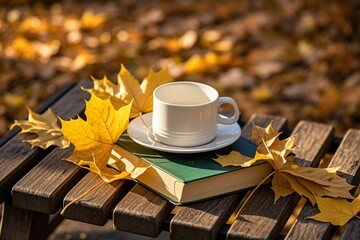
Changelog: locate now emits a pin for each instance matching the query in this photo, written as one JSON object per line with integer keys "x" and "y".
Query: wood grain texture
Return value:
{"x": 95, "y": 207}
{"x": 17, "y": 157}
{"x": 204, "y": 220}
{"x": 142, "y": 212}
{"x": 279, "y": 123}
{"x": 347, "y": 156}
{"x": 44, "y": 186}
{"x": 351, "y": 230}
{"x": 261, "y": 218}
{"x": 21, "y": 224}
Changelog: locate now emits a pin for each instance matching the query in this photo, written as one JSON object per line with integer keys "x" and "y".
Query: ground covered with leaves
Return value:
{"x": 298, "y": 59}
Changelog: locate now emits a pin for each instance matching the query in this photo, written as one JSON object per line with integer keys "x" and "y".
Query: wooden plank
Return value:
{"x": 351, "y": 230}
{"x": 44, "y": 186}
{"x": 21, "y": 224}
{"x": 204, "y": 220}
{"x": 141, "y": 211}
{"x": 347, "y": 156}
{"x": 17, "y": 157}
{"x": 261, "y": 218}
{"x": 279, "y": 123}
{"x": 95, "y": 208}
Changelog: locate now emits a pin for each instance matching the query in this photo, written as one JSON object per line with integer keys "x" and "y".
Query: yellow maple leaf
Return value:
{"x": 94, "y": 139}
{"x": 288, "y": 176}
{"x": 260, "y": 134}
{"x": 234, "y": 158}
{"x": 319, "y": 181}
{"x": 337, "y": 211}
{"x": 45, "y": 127}
{"x": 281, "y": 186}
{"x": 129, "y": 89}
{"x": 128, "y": 163}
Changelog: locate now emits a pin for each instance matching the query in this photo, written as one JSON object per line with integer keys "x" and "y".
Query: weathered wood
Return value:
{"x": 17, "y": 157}
{"x": 43, "y": 188}
{"x": 95, "y": 207}
{"x": 141, "y": 211}
{"x": 21, "y": 224}
{"x": 347, "y": 157}
{"x": 261, "y": 218}
{"x": 204, "y": 220}
{"x": 351, "y": 230}
{"x": 279, "y": 123}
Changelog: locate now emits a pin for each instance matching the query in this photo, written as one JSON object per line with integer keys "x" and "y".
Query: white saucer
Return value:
{"x": 226, "y": 135}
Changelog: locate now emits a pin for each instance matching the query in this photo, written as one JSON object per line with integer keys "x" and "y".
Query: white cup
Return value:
{"x": 185, "y": 114}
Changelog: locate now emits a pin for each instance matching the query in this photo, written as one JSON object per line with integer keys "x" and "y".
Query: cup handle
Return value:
{"x": 228, "y": 120}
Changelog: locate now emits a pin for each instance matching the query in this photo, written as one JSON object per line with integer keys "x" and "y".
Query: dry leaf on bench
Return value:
{"x": 128, "y": 89}
{"x": 336, "y": 211}
{"x": 289, "y": 177}
{"x": 332, "y": 184}
{"x": 234, "y": 158}
{"x": 45, "y": 127}
{"x": 94, "y": 139}
{"x": 259, "y": 134}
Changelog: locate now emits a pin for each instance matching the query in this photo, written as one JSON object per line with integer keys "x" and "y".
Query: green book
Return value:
{"x": 188, "y": 178}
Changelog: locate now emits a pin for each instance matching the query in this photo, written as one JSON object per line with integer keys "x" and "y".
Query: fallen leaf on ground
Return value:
{"x": 45, "y": 127}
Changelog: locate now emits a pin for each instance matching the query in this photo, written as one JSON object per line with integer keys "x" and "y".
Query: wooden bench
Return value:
{"x": 35, "y": 185}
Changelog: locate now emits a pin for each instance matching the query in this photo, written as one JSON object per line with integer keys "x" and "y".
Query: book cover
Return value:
{"x": 188, "y": 178}
{"x": 188, "y": 167}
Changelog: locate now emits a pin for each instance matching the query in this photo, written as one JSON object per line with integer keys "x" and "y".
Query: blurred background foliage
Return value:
{"x": 295, "y": 58}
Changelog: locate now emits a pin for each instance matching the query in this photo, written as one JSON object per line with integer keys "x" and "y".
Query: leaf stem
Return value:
{"x": 149, "y": 130}
{"x": 261, "y": 183}
{"x": 94, "y": 188}
{"x": 143, "y": 121}
{"x": 357, "y": 216}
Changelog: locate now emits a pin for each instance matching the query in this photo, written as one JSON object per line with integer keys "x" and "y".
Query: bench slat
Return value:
{"x": 95, "y": 208}
{"x": 261, "y": 218}
{"x": 347, "y": 156}
{"x": 36, "y": 191}
{"x": 204, "y": 220}
{"x": 351, "y": 230}
{"x": 141, "y": 211}
{"x": 17, "y": 157}
{"x": 44, "y": 186}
